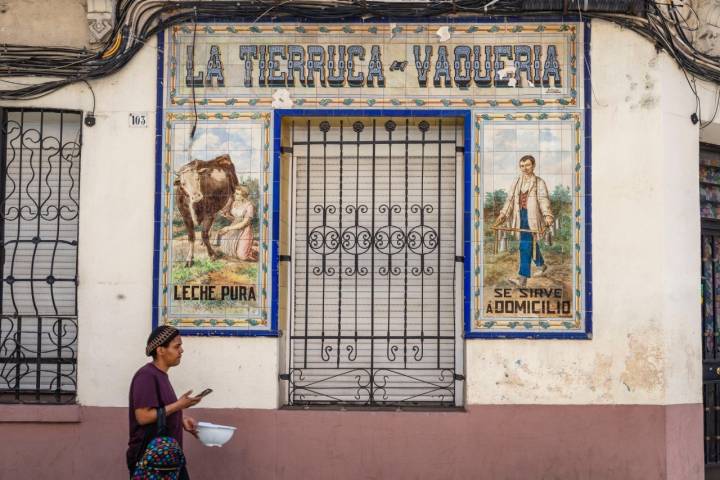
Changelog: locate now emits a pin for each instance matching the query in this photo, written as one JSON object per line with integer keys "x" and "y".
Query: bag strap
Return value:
{"x": 161, "y": 422}
{"x": 161, "y": 429}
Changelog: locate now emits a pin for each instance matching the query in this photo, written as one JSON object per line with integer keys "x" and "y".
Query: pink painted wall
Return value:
{"x": 494, "y": 442}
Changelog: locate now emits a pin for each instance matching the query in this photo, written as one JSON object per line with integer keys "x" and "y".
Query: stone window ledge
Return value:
{"x": 40, "y": 414}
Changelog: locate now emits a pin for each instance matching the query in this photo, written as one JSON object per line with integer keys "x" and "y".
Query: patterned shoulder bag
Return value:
{"x": 163, "y": 458}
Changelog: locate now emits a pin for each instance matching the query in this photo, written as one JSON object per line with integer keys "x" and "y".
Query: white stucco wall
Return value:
{"x": 645, "y": 247}
{"x": 645, "y": 237}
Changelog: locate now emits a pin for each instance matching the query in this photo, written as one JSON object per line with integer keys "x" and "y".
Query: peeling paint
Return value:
{"x": 643, "y": 363}
{"x": 601, "y": 376}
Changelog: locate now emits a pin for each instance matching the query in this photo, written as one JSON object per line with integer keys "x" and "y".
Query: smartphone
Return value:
{"x": 207, "y": 391}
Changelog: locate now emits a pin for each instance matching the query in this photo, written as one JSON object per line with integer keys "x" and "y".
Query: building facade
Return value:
{"x": 453, "y": 248}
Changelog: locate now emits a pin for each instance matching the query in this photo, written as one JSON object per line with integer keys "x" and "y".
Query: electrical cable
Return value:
{"x": 192, "y": 79}
{"x": 136, "y": 21}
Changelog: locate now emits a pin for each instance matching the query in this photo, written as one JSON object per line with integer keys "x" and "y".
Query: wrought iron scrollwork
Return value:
{"x": 375, "y": 329}
{"x": 39, "y": 210}
{"x": 357, "y": 239}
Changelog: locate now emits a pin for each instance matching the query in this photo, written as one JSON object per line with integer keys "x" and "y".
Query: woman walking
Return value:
{"x": 150, "y": 391}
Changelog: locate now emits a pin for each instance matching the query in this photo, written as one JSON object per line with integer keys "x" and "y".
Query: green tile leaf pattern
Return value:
{"x": 516, "y": 102}
{"x": 371, "y": 101}
{"x": 471, "y": 29}
{"x": 420, "y": 29}
{"x": 278, "y": 29}
{"x": 323, "y": 29}
{"x": 348, "y": 29}
{"x": 230, "y": 101}
{"x": 300, "y": 29}
{"x": 255, "y": 29}
{"x": 348, "y": 101}
{"x": 325, "y": 102}
{"x": 419, "y": 102}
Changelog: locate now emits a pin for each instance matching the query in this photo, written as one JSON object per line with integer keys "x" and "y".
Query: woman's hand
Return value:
{"x": 190, "y": 425}
{"x": 185, "y": 401}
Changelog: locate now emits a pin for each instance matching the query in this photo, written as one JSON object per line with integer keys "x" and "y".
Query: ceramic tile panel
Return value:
{"x": 215, "y": 228}
{"x": 519, "y": 85}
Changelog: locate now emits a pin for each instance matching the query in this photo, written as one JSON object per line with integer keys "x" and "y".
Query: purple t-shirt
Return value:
{"x": 150, "y": 387}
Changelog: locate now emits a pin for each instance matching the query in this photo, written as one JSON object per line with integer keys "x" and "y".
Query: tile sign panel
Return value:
{"x": 526, "y": 203}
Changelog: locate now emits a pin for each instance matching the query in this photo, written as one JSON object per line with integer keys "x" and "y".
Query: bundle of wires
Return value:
{"x": 668, "y": 25}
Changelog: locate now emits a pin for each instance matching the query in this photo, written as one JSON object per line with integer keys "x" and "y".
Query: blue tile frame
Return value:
{"x": 159, "y": 123}
{"x": 467, "y": 208}
{"x": 465, "y": 114}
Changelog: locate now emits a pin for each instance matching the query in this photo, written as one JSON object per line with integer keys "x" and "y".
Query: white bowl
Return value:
{"x": 212, "y": 435}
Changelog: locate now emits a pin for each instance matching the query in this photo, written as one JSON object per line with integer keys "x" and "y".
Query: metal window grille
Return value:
{"x": 374, "y": 261}
{"x": 40, "y": 172}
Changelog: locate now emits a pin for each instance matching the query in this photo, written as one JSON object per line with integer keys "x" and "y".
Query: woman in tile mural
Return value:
{"x": 237, "y": 239}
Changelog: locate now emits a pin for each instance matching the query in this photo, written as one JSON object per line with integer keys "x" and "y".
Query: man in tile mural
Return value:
{"x": 527, "y": 212}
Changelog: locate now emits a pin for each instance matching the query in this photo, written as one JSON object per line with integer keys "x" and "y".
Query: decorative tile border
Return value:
{"x": 166, "y": 220}
{"x": 521, "y": 328}
{"x": 458, "y": 30}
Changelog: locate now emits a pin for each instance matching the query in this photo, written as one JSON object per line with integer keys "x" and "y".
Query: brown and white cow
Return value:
{"x": 203, "y": 188}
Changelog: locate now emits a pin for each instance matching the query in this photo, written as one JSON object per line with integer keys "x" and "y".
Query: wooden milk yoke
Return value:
{"x": 535, "y": 233}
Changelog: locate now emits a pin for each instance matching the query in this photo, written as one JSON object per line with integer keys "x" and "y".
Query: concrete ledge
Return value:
{"x": 40, "y": 414}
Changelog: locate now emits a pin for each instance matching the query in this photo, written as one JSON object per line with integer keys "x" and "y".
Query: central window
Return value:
{"x": 376, "y": 245}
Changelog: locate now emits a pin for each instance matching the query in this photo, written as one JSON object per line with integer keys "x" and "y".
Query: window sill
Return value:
{"x": 40, "y": 414}
{"x": 359, "y": 408}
